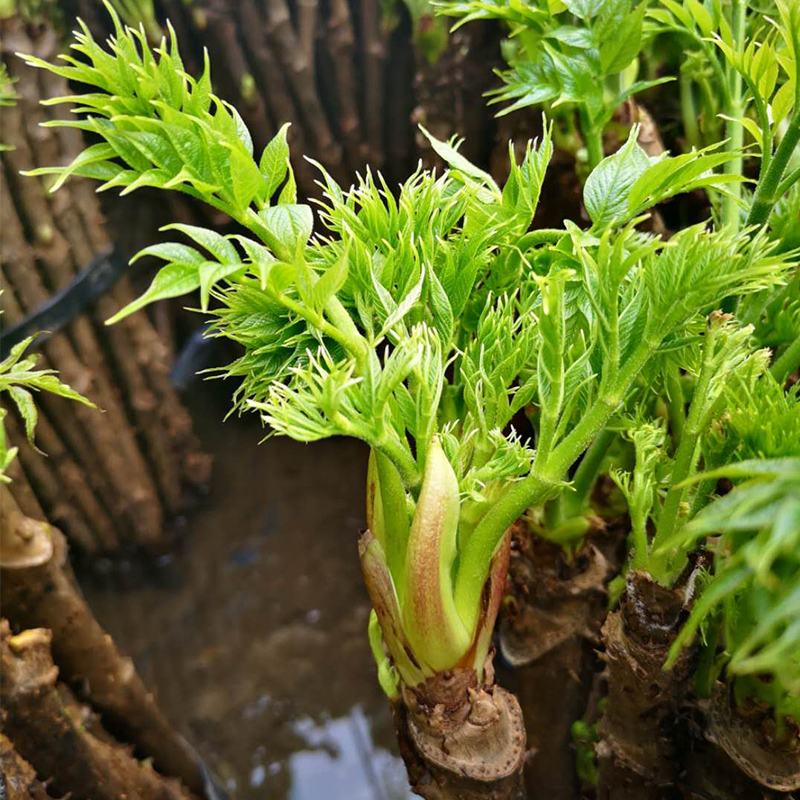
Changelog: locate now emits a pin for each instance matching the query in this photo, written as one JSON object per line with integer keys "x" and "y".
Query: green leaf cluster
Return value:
{"x": 570, "y": 56}
{"x": 19, "y": 378}
{"x": 426, "y": 319}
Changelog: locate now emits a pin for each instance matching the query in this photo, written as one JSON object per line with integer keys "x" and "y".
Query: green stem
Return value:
{"x": 689, "y": 111}
{"x": 479, "y": 548}
{"x": 734, "y": 128}
{"x": 540, "y": 485}
{"x": 592, "y": 137}
{"x": 789, "y": 181}
{"x": 769, "y": 184}
{"x": 686, "y": 456}
{"x": 706, "y": 674}
{"x": 586, "y": 474}
{"x": 401, "y": 458}
{"x": 787, "y": 363}
{"x": 676, "y": 407}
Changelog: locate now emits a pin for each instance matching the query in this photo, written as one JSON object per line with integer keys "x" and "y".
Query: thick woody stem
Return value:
{"x": 17, "y": 777}
{"x": 549, "y": 634}
{"x": 60, "y": 486}
{"x": 307, "y": 29}
{"x": 83, "y": 367}
{"x": 274, "y": 87}
{"x": 300, "y": 74}
{"x": 739, "y": 754}
{"x": 341, "y": 43}
{"x": 638, "y": 753}
{"x": 48, "y": 733}
{"x": 374, "y": 55}
{"x": 38, "y": 589}
{"x": 461, "y": 738}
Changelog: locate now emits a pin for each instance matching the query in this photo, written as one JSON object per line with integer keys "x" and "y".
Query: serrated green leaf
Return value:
{"x": 174, "y": 280}
{"x": 274, "y": 162}
{"x": 216, "y": 244}
{"x": 608, "y": 187}
{"x": 290, "y": 223}
{"x": 24, "y": 402}
{"x": 585, "y": 9}
{"x": 617, "y": 51}
{"x": 246, "y": 180}
{"x": 449, "y": 154}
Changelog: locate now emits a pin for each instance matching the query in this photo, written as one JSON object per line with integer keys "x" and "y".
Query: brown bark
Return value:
{"x": 61, "y": 233}
{"x": 739, "y": 755}
{"x": 274, "y": 87}
{"x": 23, "y": 492}
{"x": 55, "y": 481}
{"x": 56, "y": 744}
{"x": 638, "y": 754}
{"x": 447, "y": 90}
{"x": 373, "y": 48}
{"x": 300, "y": 74}
{"x": 18, "y": 779}
{"x": 73, "y": 437}
{"x": 215, "y": 21}
{"x": 38, "y": 589}
{"x": 138, "y": 357}
{"x": 76, "y": 354}
{"x": 307, "y": 29}
{"x": 461, "y": 739}
{"x": 341, "y": 43}
{"x": 548, "y": 634}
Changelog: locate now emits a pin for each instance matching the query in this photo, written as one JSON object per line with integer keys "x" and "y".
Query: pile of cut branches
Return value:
{"x": 601, "y": 412}
{"x": 114, "y": 478}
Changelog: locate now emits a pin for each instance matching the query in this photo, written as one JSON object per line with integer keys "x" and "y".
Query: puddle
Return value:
{"x": 253, "y": 633}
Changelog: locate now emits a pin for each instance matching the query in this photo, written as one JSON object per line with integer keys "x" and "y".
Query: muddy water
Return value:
{"x": 253, "y": 633}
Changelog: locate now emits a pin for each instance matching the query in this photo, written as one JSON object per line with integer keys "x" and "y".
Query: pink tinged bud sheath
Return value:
{"x": 493, "y": 594}
{"x": 432, "y": 624}
{"x": 383, "y": 598}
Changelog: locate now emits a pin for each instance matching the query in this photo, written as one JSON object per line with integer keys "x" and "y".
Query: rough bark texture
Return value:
{"x": 638, "y": 753}
{"x": 446, "y": 92}
{"x": 38, "y": 590}
{"x": 18, "y": 779}
{"x": 736, "y": 754}
{"x": 461, "y": 739}
{"x": 548, "y": 634}
{"x": 117, "y": 475}
{"x": 50, "y": 733}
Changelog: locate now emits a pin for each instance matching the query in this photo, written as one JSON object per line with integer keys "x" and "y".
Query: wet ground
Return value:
{"x": 253, "y": 633}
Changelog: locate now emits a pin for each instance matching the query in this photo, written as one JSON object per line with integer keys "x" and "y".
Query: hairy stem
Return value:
{"x": 586, "y": 474}
{"x": 592, "y": 137}
{"x": 686, "y": 456}
{"x": 734, "y": 129}
{"x": 769, "y": 184}
{"x": 689, "y": 111}
{"x": 788, "y": 362}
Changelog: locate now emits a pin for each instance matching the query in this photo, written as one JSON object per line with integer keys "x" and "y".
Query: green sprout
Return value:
{"x": 575, "y": 58}
{"x": 19, "y": 378}
{"x": 422, "y": 321}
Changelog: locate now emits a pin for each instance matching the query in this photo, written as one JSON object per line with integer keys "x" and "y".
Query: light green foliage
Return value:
{"x": 139, "y": 12}
{"x": 422, "y": 319}
{"x": 20, "y": 379}
{"x": 577, "y": 55}
{"x": 754, "y": 592}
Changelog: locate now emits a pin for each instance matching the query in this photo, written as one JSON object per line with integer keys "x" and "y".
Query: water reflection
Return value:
{"x": 343, "y": 761}
{"x": 253, "y": 635}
